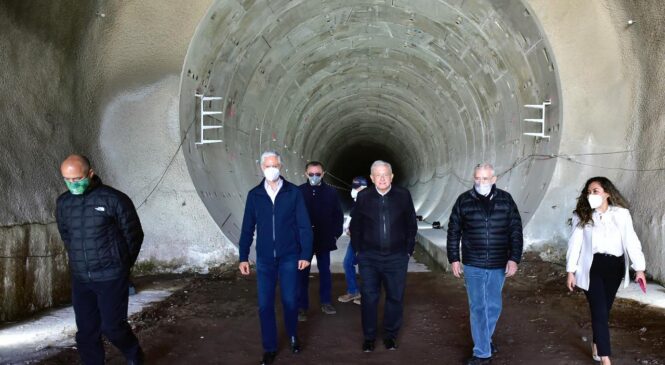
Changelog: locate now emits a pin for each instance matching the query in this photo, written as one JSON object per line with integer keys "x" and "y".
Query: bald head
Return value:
{"x": 75, "y": 167}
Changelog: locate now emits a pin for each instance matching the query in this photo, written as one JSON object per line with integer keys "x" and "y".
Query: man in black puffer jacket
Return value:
{"x": 102, "y": 233}
{"x": 487, "y": 222}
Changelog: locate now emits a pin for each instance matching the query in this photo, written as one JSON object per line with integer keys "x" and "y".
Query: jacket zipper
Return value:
{"x": 85, "y": 252}
{"x": 274, "y": 246}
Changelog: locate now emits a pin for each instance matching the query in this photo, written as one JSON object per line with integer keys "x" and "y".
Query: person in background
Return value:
{"x": 327, "y": 218}
{"x": 350, "y": 261}
{"x": 103, "y": 236}
{"x": 276, "y": 210}
{"x": 600, "y": 249}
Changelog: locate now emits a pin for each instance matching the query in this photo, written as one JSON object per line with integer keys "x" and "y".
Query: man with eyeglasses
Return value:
{"x": 486, "y": 221}
{"x": 383, "y": 227}
{"x": 103, "y": 236}
{"x": 325, "y": 214}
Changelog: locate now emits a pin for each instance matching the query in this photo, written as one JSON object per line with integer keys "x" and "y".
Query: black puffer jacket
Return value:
{"x": 101, "y": 231}
{"x": 491, "y": 233}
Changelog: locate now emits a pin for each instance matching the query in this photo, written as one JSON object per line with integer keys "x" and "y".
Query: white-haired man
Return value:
{"x": 384, "y": 230}
{"x": 486, "y": 221}
{"x": 276, "y": 209}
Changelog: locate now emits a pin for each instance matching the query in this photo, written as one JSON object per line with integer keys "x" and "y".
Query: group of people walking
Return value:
{"x": 292, "y": 224}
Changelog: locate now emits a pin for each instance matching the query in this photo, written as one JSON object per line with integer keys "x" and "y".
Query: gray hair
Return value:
{"x": 267, "y": 154}
{"x": 484, "y": 166}
{"x": 378, "y": 163}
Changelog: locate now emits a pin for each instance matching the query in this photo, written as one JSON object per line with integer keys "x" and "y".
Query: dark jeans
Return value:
{"x": 101, "y": 308}
{"x": 377, "y": 271}
{"x": 325, "y": 281}
{"x": 268, "y": 271}
{"x": 606, "y": 274}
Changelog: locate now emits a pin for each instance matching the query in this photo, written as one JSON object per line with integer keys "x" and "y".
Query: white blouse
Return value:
{"x": 605, "y": 233}
{"x": 612, "y": 232}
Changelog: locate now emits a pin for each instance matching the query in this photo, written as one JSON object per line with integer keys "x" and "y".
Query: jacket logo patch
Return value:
{"x": 100, "y": 209}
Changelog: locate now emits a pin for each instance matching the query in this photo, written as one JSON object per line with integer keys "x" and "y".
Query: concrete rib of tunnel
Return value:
{"x": 434, "y": 87}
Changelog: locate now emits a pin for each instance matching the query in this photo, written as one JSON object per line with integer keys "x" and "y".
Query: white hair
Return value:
{"x": 378, "y": 163}
{"x": 267, "y": 154}
{"x": 484, "y": 166}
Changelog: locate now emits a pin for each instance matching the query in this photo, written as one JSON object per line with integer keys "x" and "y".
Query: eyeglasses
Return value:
{"x": 314, "y": 174}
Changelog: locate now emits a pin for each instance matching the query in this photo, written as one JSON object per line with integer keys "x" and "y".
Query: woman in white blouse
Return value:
{"x": 602, "y": 245}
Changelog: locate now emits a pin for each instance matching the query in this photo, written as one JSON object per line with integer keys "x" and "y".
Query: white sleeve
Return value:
{"x": 632, "y": 242}
{"x": 347, "y": 222}
{"x": 574, "y": 245}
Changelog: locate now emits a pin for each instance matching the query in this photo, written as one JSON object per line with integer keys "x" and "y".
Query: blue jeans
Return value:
{"x": 350, "y": 262}
{"x": 325, "y": 281}
{"x": 483, "y": 286}
{"x": 389, "y": 272}
{"x": 101, "y": 308}
{"x": 268, "y": 271}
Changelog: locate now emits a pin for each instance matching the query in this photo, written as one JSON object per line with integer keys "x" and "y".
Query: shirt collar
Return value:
{"x": 383, "y": 194}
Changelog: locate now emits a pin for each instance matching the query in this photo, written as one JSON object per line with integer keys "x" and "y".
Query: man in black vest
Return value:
{"x": 103, "y": 236}
{"x": 383, "y": 227}
{"x": 325, "y": 214}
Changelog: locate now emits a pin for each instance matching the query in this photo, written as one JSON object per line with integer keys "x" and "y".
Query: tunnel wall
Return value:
{"x": 103, "y": 78}
{"x": 99, "y": 78}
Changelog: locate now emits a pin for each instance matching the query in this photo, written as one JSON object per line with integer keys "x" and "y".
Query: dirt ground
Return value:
{"x": 214, "y": 320}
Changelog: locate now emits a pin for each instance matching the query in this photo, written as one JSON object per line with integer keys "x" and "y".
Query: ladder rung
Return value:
{"x": 535, "y": 120}
{"x": 211, "y": 113}
{"x": 212, "y": 126}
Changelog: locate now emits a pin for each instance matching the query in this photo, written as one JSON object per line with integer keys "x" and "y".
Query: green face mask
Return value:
{"x": 78, "y": 187}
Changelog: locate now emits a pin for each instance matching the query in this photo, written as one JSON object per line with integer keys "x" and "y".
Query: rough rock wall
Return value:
{"x": 99, "y": 78}
{"x": 39, "y": 115}
{"x": 643, "y": 44}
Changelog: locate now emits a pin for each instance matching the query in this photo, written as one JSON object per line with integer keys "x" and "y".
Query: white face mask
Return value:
{"x": 595, "y": 201}
{"x": 483, "y": 189}
{"x": 354, "y": 194}
{"x": 271, "y": 173}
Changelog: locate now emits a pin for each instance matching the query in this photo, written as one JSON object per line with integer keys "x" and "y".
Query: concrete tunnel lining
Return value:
{"x": 438, "y": 86}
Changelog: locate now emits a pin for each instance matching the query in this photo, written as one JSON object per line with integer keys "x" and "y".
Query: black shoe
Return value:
{"x": 494, "y": 348}
{"x": 268, "y": 358}
{"x": 479, "y": 361}
{"x": 368, "y": 346}
{"x": 390, "y": 344}
{"x": 295, "y": 345}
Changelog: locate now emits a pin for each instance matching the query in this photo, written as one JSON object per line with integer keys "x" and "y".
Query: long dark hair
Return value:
{"x": 583, "y": 209}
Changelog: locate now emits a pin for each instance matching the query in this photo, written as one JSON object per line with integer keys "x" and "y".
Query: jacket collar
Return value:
{"x": 477, "y": 196}
{"x": 286, "y": 186}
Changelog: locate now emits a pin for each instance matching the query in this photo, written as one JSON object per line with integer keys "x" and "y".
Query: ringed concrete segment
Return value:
{"x": 432, "y": 86}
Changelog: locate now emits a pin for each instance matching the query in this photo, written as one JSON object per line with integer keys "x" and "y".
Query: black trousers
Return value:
{"x": 606, "y": 274}
{"x": 389, "y": 272}
{"x": 101, "y": 308}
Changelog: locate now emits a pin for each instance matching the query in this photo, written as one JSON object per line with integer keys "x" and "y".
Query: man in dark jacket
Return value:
{"x": 383, "y": 228}
{"x": 486, "y": 221}
{"x": 103, "y": 236}
{"x": 276, "y": 209}
{"x": 325, "y": 214}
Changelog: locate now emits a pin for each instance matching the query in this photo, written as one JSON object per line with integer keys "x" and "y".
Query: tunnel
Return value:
{"x": 434, "y": 88}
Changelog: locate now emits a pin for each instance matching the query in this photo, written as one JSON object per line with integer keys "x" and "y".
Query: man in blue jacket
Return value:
{"x": 325, "y": 214}
{"x": 103, "y": 236}
{"x": 276, "y": 209}
{"x": 486, "y": 221}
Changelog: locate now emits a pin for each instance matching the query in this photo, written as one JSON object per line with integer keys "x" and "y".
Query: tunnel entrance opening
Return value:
{"x": 434, "y": 87}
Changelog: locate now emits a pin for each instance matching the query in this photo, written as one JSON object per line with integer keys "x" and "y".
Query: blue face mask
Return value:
{"x": 314, "y": 180}
{"x": 78, "y": 187}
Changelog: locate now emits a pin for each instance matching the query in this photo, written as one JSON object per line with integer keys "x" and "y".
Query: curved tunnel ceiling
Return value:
{"x": 434, "y": 87}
